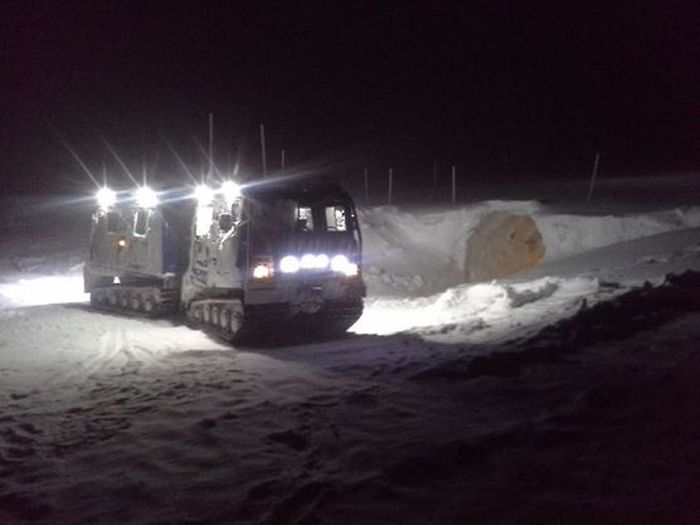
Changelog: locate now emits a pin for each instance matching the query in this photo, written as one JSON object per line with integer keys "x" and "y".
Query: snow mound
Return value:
{"x": 422, "y": 252}
{"x": 501, "y": 245}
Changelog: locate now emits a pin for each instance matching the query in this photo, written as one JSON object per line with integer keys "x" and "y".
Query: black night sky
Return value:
{"x": 503, "y": 88}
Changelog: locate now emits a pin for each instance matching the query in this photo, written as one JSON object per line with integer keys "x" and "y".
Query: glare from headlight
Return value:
{"x": 146, "y": 197}
{"x": 106, "y": 197}
{"x": 322, "y": 261}
{"x": 341, "y": 264}
{"x": 310, "y": 261}
{"x": 289, "y": 264}
{"x": 351, "y": 270}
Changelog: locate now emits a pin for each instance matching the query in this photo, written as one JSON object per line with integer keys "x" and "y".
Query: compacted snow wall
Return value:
{"x": 421, "y": 252}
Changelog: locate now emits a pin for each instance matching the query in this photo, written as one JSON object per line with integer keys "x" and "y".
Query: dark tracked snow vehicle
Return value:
{"x": 237, "y": 260}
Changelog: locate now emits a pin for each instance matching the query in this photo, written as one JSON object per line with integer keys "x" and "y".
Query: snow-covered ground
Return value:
{"x": 562, "y": 394}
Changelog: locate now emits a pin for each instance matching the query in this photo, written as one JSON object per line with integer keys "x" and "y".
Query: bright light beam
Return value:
{"x": 120, "y": 161}
{"x": 45, "y": 289}
{"x": 231, "y": 191}
{"x": 206, "y": 157}
{"x": 181, "y": 162}
{"x": 77, "y": 158}
{"x": 146, "y": 197}
{"x": 204, "y": 194}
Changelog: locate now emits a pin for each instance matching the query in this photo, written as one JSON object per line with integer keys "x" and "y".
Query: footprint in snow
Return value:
{"x": 292, "y": 439}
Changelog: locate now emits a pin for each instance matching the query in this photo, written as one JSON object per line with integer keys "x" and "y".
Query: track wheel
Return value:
{"x": 124, "y": 300}
{"x": 214, "y": 315}
{"x": 235, "y": 323}
{"x": 225, "y": 320}
{"x": 190, "y": 315}
{"x": 112, "y": 299}
{"x": 149, "y": 305}
{"x": 135, "y": 303}
{"x": 206, "y": 313}
{"x": 195, "y": 313}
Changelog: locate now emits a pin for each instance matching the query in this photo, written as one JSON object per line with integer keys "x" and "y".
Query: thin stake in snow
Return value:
{"x": 391, "y": 182}
{"x": 454, "y": 184}
{"x": 211, "y": 144}
{"x": 262, "y": 146}
{"x": 366, "y": 185}
{"x": 596, "y": 164}
{"x": 284, "y": 163}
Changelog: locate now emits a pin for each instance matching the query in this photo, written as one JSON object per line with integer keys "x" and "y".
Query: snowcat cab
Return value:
{"x": 274, "y": 255}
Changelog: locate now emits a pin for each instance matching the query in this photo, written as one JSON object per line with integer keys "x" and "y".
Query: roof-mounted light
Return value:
{"x": 204, "y": 194}
{"x": 106, "y": 197}
{"x": 146, "y": 197}
{"x": 231, "y": 191}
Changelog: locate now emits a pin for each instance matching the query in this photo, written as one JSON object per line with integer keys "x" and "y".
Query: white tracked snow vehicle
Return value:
{"x": 236, "y": 261}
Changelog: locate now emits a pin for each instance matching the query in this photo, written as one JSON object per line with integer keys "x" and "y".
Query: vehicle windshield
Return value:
{"x": 282, "y": 214}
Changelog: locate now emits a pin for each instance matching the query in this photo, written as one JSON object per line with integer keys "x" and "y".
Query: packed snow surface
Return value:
{"x": 563, "y": 393}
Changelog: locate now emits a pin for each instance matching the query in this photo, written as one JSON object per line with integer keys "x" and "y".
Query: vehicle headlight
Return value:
{"x": 146, "y": 197}
{"x": 314, "y": 262}
{"x": 289, "y": 264}
{"x": 106, "y": 197}
{"x": 341, "y": 264}
{"x": 322, "y": 261}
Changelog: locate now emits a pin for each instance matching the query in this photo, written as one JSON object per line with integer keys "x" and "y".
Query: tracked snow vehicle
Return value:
{"x": 236, "y": 261}
{"x": 137, "y": 253}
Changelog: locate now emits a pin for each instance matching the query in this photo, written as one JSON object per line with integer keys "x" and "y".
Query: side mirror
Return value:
{"x": 225, "y": 222}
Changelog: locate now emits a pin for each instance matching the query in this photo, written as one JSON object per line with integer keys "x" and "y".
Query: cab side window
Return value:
{"x": 336, "y": 220}
{"x": 115, "y": 222}
{"x": 305, "y": 219}
{"x": 141, "y": 222}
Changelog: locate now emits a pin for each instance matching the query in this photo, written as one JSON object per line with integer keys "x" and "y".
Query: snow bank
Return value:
{"x": 566, "y": 235}
{"x": 419, "y": 252}
{"x": 467, "y": 309}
